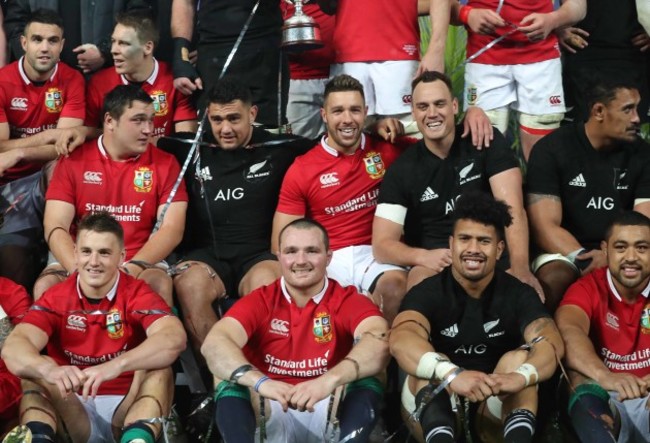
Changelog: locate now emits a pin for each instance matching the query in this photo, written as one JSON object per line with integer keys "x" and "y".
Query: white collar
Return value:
{"x": 111, "y": 294}
{"x": 612, "y": 288}
{"x": 23, "y": 74}
{"x": 316, "y": 298}
{"x": 336, "y": 153}
{"x": 152, "y": 78}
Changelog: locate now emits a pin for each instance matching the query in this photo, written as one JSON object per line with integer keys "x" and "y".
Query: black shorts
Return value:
{"x": 231, "y": 272}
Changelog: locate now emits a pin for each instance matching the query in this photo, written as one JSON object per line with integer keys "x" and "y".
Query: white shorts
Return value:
{"x": 635, "y": 419}
{"x": 356, "y": 266}
{"x": 542, "y": 259}
{"x": 297, "y": 427}
{"x": 303, "y": 108}
{"x": 386, "y": 85}
{"x": 533, "y": 88}
{"x": 100, "y": 412}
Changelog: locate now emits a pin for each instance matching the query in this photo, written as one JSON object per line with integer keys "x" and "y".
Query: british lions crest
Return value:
{"x": 160, "y": 103}
{"x": 143, "y": 181}
{"x": 114, "y": 324}
{"x": 322, "y": 328}
{"x": 374, "y": 165}
{"x": 53, "y": 100}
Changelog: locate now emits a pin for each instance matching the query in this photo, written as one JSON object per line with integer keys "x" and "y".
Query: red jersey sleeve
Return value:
{"x": 43, "y": 314}
{"x": 94, "y": 103}
{"x": 62, "y": 186}
{"x": 145, "y": 306}
{"x": 293, "y": 195}
{"x": 581, "y": 294}
{"x": 75, "y": 105}
{"x": 13, "y": 299}
{"x": 183, "y": 109}
{"x": 249, "y": 311}
{"x": 171, "y": 173}
{"x": 356, "y": 309}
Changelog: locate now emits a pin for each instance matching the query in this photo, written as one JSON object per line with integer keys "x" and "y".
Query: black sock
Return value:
{"x": 359, "y": 414}
{"x": 235, "y": 419}
{"x": 436, "y": 419}
{"x": 41, "y": 432}
{"x": 592, "y": 419}
{"x": 519, "y": 426}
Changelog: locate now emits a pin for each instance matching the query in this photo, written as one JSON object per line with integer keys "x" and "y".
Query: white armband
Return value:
{"x": 3, "y": 314}
{"x": 529, "y": 372}
{"x": 444, "y": 368}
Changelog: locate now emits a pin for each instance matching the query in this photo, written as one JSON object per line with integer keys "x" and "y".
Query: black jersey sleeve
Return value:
{"x": 528, "y": 307}
{"x": 499, "y": 156}
{"x": 396, "y": 185}
{"x": 423, "y": 298}
{"x": 642, "y": 187}
{"x": 543, "y": 173}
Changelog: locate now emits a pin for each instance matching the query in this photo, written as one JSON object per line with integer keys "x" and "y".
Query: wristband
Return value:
{"x": 571, "y": 256}
{"x": 259, "y": 383}
{"x": 463, "y": 14}
{"x": 443, "y": 368}
{"x": 529, "y": 372}
{"x": 181, "y": 65}
{"x": 237, "y": 373}
{"x": 356, "y": 366}
{"x": 428, "y": 364}
{"x": 3, "y": 314}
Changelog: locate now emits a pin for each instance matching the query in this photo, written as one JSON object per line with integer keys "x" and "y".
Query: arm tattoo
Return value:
{"x": 539, "y": 325}
{"x": 534, "y": 198}
{"x": 5, "y": 328}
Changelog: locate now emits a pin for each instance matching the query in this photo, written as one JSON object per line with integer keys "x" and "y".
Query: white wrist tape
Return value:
{"x": 427, "y": 365}
{"x": 3, "y": 314}
{"x": 444, "y": 368}
{"x": 529, "y": 372}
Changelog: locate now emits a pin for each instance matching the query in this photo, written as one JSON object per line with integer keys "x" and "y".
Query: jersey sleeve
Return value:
{"x": 3, "y": 99}
{"x": 43, "y": 314}
{"x": 183, "y": 109}
{"x": 529, "y": 308}
{"x": 293, "y": 198}
{"x": 145, "y": 305}
{"x": 75, "y": 104}
{"x": 13, "y": 299}
{"x": 420, "y": 298}
{"x": 249, "y": 311}
{"x": 580, "y": 294}
{"x": 94, "y": 103}
{"x": 542, "y": 175}
{"x": 171, "y": 172}
{"x": 356, "y": 309}
{"x": 62, "y": 186}
{"x": 499, "y": 156}
{"x": 642, "y": 187}
{"x": 394, "y": 187}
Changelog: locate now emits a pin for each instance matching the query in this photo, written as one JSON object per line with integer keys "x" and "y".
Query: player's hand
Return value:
{"x": 389, "y": 128}
{"x": 305, "y": 395}
{"x": 627, "y": 385}
{"x": 278, "y": 391}
{"x": 430, "y": 62}
{"x": 437, "y": 259}
{"x": 68, "y": 379}
{"x": 69, "y": 139}
{"x": 476, "y": 386}
{"x": 537, "y": 26}
{"x": 525, "y": 276}
{"x": 641, "y": 41}
{"x": 8, "y": 160}
{"x": 510, "y": 383}
{"x": 89, "y": 58}
{"x": 478, "y": 125}
{"x": 598, "y": 260}
{"x": 484, "y": 21}
{"x": 572, "y": 38}
{"x": 98, "y": 374}
{"x": 187, "y": 86}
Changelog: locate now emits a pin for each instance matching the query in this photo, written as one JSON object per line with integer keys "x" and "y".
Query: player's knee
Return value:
{"x": 499, "y": 118}
{"x": 540, "y": 124}
{"x": 511, "y": 360}
{"x": 391, "y": 284}
{"x": 196, "y": 283}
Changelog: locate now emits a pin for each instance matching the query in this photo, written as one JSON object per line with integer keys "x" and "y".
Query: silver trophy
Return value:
{"x": 300, "y": 32}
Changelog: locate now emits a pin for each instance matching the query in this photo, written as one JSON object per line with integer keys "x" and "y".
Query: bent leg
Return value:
{"x": 389, "y": 292}
{"x": 160, "y": 282}
{"x": 261, "y": 274}
{"x": 555, "y": 278}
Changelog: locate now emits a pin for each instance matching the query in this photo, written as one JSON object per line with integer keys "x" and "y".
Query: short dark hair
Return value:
{"x": 603, "y": 89}
{"x": 143, "y": 24}
{"x": 483, "y": 208}
{"x": 122, "y": 97}
{"x": 228, "y": 90}
{"x": 430, "y": 77}
{"x": 626, "y": 218}
{"x": 343, "y": 83}
{"x": 102, "y": 222}
{"x": 44, "y": 16}
{"x": 307, "y": 223}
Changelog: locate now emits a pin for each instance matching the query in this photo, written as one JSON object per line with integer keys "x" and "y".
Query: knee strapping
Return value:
{"x": 227, "y": 389}
{"x": 540, "y": 124}
{"x": 436, "y": 416}
{"x": 175, "y": 270}
{"x": 587, "y": 389}
{"x": 499, "y": 118}
{"x": 370, "y": 383}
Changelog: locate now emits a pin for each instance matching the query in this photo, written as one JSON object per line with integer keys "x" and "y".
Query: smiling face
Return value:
{"x": 98, "y": 256}
{"x": 344, "y": 114}
{"x": 42, "y": 44}
{"x": 303, "y": 259}
{"x": 475, "y": 249}
{"x": 628, "y": 258}
{"x": 434, "y": 111}
{"x": 129, "y": 53}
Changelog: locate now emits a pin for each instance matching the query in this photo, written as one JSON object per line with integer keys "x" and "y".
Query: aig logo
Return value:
{"x": 19, "y": 103}
{"x": 329, "y": 179}
{"x": 280, "y": 327}
{"x": 93, "y": 178}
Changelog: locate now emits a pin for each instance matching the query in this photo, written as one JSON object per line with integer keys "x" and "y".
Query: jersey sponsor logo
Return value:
{"x": 280, "y": 327}
{"x": 92, "y": 177}
{"x": 143, "y": 181}
{"x": 645, "y": 319}
{"x": 471, "y": 349}
{"x": 114, "y": 324}
{"x": 471, "y": 95}
{"x": 204, "y": 174}
{"x": 18, "y": 104}
{"x": 611, "y": 320}
{"x": 606, "y": 203}
{"x": 76, "y": 323}
{"x": 463, "y": 174}
{"x": 428, "y": 194}
{"x": 230, "y": 194}
{"x": 258, "y": 171}
{"x": 488, "y": 326}
{"x": 555, "y": 100}
{"x": 620, "y": 179}
{"x": 160, "y": 103}
{"x": 451, "y": 331}
{"x": 410, "y": 48}
{"x": 374, "y": 165}
{"x": 451, "y": 205}
{"x": 329, "y": 179}
{"x": 53, "y": 100}
{"x": 579, "y": 181}
{"x": 367, "y": 200}
{"x": 322, "y": 328}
